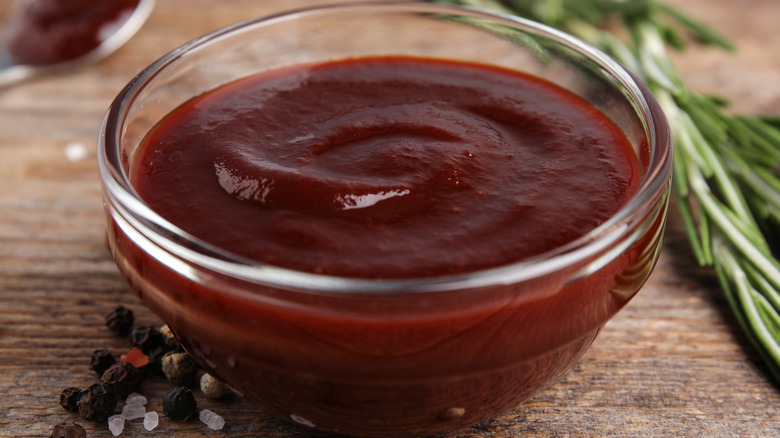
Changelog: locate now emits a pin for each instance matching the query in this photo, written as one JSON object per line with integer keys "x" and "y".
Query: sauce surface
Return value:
{"x": 387, "y": 167}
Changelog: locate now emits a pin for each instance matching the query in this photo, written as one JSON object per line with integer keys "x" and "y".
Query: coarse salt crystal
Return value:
{"x": 135, "y": 398}
{"x": 116, "y": 424}
{"x": 151, "y": 419}
{"x": 133, "y": 412}
{"x": 211, "y": 419}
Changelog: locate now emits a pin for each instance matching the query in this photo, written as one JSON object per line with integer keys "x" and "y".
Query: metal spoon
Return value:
{"x": 12, "y": 72}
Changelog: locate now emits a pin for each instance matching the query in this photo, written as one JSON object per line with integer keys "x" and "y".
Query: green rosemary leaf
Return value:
{"x": 705, "y": 233}
{"x": 763, "y": 287}
{"x": 700, "y": 31}
{"x": 674, "y": 39}
{"x": 764, "y": 184}
{"x": 719, "y": 101}
{"x": 739, "y": 133}
{"x": 688, "y": 137}
{"x": 693, "y": 233}
{"x": 771, "y": 119}
{"x": 736, "y": 287}
{"x": 757, "y": 159}
{"x": 769, "y": 316}
{"x": 763, "y": 135}
{"x": 749, "y": 231}
{"x": 707, "y": 121}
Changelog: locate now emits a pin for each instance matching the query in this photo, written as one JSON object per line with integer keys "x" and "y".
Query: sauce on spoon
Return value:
{"x": 47, "y": 32}
{"x": 42, "y": 36}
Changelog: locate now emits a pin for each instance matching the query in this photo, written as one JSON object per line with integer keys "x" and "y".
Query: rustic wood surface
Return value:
{"x": 672, "y": 363}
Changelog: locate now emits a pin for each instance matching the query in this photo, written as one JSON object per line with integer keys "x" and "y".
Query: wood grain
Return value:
{"x": 672, "y": 363}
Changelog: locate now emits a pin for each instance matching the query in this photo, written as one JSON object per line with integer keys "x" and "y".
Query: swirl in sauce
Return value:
{"x": 387, "y": 167}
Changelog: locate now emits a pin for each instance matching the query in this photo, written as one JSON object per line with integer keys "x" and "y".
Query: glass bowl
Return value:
{"x": 398, "y": 357}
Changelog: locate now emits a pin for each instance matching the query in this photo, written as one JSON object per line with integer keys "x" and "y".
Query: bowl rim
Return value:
{"x": 118, "y": 190}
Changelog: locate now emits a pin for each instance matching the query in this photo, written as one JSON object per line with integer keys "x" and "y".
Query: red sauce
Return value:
{"x": 49, "y": 32}
{"x": 387, "y": 167}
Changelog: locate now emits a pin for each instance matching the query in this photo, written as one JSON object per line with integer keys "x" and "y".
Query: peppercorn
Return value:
{"x": 96, "y": 403}
{"x": 211, "y": 387}
{"x": 101, "y": 361}
{"x": 169, "y": 339}
{"x": 146, "y": 338}
{"x": 155, "y": 358}
{"x": 179, "y": 404}
{"x": 120, "y": 320}
{"x": 66, "y": 429}
{"x": 69, "y": 397}
{"x": 122, "y": 378}
{"x": 180, "y": 368}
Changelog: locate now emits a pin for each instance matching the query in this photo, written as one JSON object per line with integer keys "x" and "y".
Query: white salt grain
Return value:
{"x": 133, "y": 412}
{"x": 135, "y": 398}
{"x": 211, "y": 419}
{"x": 151, "y": 419}
{"x": 116, "y": 424}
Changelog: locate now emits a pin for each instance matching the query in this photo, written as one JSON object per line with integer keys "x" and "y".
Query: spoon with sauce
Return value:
{"x": 45, "y": 36}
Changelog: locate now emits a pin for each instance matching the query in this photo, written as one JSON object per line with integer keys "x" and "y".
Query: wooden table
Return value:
{"x": 672, "y": 363}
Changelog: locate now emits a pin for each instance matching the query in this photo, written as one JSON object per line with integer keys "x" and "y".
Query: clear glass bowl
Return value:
{"x": 398, "y": 357}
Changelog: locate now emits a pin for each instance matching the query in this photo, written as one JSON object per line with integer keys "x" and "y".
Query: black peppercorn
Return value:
{"x": 146, "y": 338}
{"x": 180, "y": 368}
{"x": 101, "y": 361}
{"x": 155, "y": 358}
{"x": 67, "y": 429}
{"x": 96, "y": 403}
{"x": 69, "y": 397}
{"x": 120, "y": 320}
{"x": 122, "y": 378}
{"x": 179, "y": 404}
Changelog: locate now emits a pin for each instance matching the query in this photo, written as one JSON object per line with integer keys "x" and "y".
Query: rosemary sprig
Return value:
{"x": 727, "y": 167}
